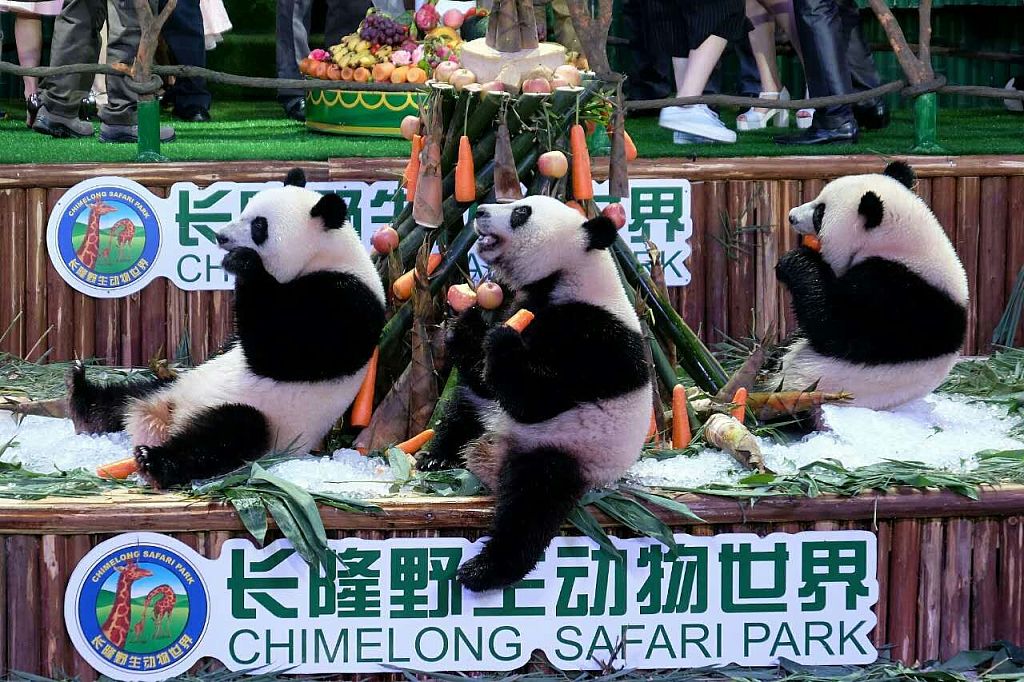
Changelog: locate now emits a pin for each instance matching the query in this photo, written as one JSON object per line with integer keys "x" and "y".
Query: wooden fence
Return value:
{"x": 739, "y": 209}
{"x": 950, "y": 569}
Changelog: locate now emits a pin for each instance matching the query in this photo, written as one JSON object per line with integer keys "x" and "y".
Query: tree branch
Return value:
{"x": 912, "y": 67}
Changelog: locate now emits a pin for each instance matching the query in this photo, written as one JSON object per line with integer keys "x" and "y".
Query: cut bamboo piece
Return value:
{"x": 726, "y": 433}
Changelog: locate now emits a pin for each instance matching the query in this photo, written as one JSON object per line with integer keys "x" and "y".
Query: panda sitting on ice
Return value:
{"x": 309, "y": 308}
{"x": 882, "y": 308}
{"x": 543, "y": 416}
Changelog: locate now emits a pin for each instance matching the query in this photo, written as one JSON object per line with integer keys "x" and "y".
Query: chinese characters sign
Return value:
{"x": 109, "y": 237}
{"x": 377, "y": 605}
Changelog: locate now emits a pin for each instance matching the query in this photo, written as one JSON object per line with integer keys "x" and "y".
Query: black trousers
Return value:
{"x": 837, "y": 59}
{"x": 343, "y": 17}
{"x": 183, "y": 34}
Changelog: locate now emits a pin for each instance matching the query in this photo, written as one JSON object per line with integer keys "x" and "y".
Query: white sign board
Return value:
{"x": 144, "y": 606}
{"x": 109, "y": 237}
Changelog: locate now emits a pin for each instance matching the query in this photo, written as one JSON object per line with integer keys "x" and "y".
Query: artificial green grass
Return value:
{"x": 245, "y": 130}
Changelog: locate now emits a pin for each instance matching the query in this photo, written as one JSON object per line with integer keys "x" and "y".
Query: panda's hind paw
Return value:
{"x": 481, "y": 574}
{"x": 152, "y": 466}
{"x": 426, "y": 461}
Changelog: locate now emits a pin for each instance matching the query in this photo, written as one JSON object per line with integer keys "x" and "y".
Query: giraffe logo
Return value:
{"x": 138, "y": 610}
{"x": 104, "y": 237}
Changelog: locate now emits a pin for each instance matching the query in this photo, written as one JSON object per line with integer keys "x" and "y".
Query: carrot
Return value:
{"x": 413, "y": 445}
{"x": 465, "y": 176}
{"x": 681, "y": 435}
{"x": 121, "y": 469}
{"x": 740, "y": 401}
{"x": 412, "y": 169}
{"x": 576, "y": 205}
{"x": 630, "y": 147}
{"x": 771, "y": 405}
{"x": 582, "y": 183}
{"x": 402, "y": 287}
{"x": 652, "y": 430}
{"x": 362, "y": 406}
{"x": 521, "y": 320}
{"x": 811, "y": 242}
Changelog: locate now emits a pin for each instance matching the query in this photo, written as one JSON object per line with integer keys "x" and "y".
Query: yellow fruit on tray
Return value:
{"x": 445, "y": 33}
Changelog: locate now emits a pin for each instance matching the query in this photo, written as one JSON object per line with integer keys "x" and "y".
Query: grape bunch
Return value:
{"x": 383, "y": 30}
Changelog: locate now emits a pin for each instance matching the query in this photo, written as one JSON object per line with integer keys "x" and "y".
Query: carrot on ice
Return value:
{"x": 521, "y": 320}
{"x": 465, "y": 176}
{"x": 413, "y": 445}
{"x": 740, "y": 401}
{"x": 121, "y": 469}
{"x": 811, "y": 242}
{"x": 402, "y": 287}
{"x": 412, "y": 169}
{"x": 362, "y": 406}
{"x": 582, "y": 182}
{"x": 681, "y": 435}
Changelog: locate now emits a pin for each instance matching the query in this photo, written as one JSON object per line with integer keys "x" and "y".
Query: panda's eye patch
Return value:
{"x": 258, "y": 227}
{"x": 520, "y": 215}
{"x": 819, "y": 215}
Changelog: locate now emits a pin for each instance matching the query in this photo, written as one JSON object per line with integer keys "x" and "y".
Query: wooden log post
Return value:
{"x": 592, "y": 30}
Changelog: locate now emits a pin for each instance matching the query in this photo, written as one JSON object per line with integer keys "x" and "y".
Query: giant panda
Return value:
{"x": 882, "y": 308}
{"x": 309, "y": 308}
{"x": 543, "y": 416}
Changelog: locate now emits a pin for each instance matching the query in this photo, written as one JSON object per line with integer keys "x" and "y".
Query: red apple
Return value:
{"x": 538, "y": 85}
{"x": 569, "y": 73}
{"x": 385, "y": 240}
{"x": 453, "y": 18}
{"x": 489, "y": 295}
{"x": 617, "y": 213}
{"x": 553, "y": 164}
{"x": 461, "y": 297}
{"x": 444, "y": 71}
{"x": 410, "y": 126}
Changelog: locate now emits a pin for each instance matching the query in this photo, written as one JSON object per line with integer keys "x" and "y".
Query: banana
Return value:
{"x": 367, "y": 60}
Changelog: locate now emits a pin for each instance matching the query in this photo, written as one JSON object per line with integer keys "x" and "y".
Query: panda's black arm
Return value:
{"x": 283, "y": 326}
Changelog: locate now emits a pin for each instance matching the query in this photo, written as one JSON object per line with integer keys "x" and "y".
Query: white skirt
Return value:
{"x": 49, "y": 8}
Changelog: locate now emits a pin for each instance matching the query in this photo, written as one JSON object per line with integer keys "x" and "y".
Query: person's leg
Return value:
{"x": 28, "y": 35}
{"x": 871, "y": 114}
{"x": 183, "y": 33}
{"x": 74, "y": 41}
{"x": 762, "y": 44}
{"x": 343, "y": 17}
{"x": 292, "y": 34}
{"x": 699, "y": 65}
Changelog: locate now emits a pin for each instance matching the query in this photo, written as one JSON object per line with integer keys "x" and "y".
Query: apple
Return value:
{"x": 385, "y": 240}
{"x": 569, "y": 73}
{"x": 493, "y": 86}
{"x": 489, "y": 295}
{"x": 453, "y": 18}
{"x": 538, "y": 85}
{"x": 559, "y": 82}
{"x": 444, "y": 71}
{"x": 410, "y": 126}
{"x": 553, "y": 164}
{"x": 617, "y": 213}
{"x": 461, "y": 297}
{"x": 461, "y": 78}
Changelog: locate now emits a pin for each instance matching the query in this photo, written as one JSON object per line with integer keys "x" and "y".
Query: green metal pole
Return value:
{"x": 149, "y": 131}
{"x": 926, "y": 111}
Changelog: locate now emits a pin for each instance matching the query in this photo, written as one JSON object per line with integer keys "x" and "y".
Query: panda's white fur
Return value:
{"x": 300, "y": 413}
{"x": 909, "y": 235}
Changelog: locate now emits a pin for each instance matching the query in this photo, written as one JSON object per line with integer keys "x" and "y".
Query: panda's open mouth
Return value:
{"x": 487, "y": 241}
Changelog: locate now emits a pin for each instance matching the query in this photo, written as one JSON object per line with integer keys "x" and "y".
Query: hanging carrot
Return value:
{"x": 413, "y": 445}
{"x": 121, "y": 469}
{"x": 412, "y": 169}
{"x": 681, "y": 435}
{"x": 630, "y": 147}
{"x": 402, "y": 287}
{"x": 362, "y": 406}
{"x": 465, "y": 176}
{"x": 582, "y": 183}
{"x": 521, "y": 320}
{"x": 740, "y": 402}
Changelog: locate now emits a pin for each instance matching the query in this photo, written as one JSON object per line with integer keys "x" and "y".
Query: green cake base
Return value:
{"x": 347, "y": 112}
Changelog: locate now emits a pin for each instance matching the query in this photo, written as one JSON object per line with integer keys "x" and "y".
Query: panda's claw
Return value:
{"x": 481, "y": 574}
{"x": 150, "y": 466}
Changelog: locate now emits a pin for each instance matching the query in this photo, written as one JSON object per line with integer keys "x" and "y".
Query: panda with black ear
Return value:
{"x": 882, "y": 308}
{"x": 545, "y": 415}
{"x": 309, "y": 308}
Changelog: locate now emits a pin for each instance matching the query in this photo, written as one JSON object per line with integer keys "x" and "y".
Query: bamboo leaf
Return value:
{"x": 401, "y": 467}
{"x": 667, "y": 503}
{"x": 253, "y": 514}
{"x": 291, "y": 529}
{"x": 588, "y": 525}
{"x": 637, "y": 518}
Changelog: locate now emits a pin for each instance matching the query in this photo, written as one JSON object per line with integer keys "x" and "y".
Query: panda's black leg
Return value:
{"x": 216, "y": 441}
{"x": 536, "y": 491}
{"x": 99, "y": 408}
{"x": 459, "y": 424}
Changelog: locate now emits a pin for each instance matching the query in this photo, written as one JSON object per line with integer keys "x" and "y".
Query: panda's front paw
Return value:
{"x": 428, "y": 460}
{"x": 482, "y": 573}
{"x": 504, "y": 345}
{"x": 798, "y": 263}
{"x": 154, "y": 467}
{"x": 466, "y": 338}
{"x": 243, "y": 261}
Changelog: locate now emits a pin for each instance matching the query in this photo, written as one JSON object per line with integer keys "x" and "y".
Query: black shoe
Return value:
{"x": 32, "y": 105}
{"x": 295, "y": 109}
{"x": 847, "y": 132}
{"x": 193, "y": 115}
{"x": 88, "y": 109}
{"x": 871, "y": 115}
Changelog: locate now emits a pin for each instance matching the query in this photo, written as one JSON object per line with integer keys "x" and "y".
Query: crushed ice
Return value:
{"x": 941, "y": 430}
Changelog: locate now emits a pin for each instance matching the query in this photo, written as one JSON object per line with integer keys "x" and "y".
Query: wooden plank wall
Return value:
{"x": 739, "y": 212}
{"x": 945, "y": 585}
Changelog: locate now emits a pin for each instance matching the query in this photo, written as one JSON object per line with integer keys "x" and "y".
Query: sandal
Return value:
{"x": 757, "y": 118}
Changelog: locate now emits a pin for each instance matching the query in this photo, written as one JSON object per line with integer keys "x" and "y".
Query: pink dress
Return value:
{"x": 50, "y": 8}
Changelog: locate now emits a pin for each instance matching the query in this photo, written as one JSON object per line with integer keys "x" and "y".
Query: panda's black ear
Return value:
{"x": 332, "y": 209}
{"x": 902, "y": 172}
{"x": 296, "y": 178}
{"x": 871, "y": 208}
{"x": 601, "y": 232}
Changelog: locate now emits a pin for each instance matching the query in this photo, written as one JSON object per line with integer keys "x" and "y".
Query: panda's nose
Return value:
{"x": 792, "y": 219}
{"x": 482, "y": 213}
{"x": 222, "y": 239}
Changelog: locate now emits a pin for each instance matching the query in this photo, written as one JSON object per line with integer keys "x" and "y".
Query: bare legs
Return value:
{"x": 28, "y": 35}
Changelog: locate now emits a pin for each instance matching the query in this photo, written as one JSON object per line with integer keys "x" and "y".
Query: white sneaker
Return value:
{"x": 686, "y": 138}
{"x": 1013, "y": 104}
{"x": 696, "y": 119}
